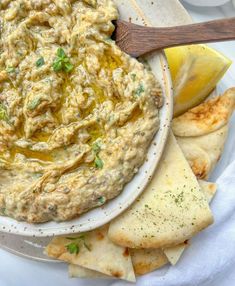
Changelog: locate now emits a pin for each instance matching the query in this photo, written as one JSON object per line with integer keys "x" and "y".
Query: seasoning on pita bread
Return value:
{"x": 95, "y": 252}
{"x": 174, "y": 253}
{"x": 171, "y": 210}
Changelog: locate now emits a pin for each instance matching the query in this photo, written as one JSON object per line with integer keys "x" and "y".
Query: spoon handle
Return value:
{"x": 148, "y": 39}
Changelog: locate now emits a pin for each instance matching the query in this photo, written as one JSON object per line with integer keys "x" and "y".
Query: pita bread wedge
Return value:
{"x": 174, "y": 253}
{"x": 147, "y": 260}
{"x": 206, "y": 117}
{"x": 203, "y": 152}
{"x": 171, "y": 210}
{"x": 95, "y": 251}
{"x": 76, "y": 271}
{"x": 144, "y": 261}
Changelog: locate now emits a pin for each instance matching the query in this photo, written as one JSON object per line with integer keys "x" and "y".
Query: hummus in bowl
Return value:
{"x": 77, "y": 115}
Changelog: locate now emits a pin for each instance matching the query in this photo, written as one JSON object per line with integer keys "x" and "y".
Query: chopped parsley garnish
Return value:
{"x": 99, "y": 164}
{"x": 3, "y": 113}
{"x": 101, "y": 200}
{"x": 10, "y": 69}
{"x": 133, "y": 76}
{"x": 96, "y": 148}
{"x": 62, "y": 62}
{"x": 34, "y": 103}
{"x": 74, "y": 247}
{"x": 140, "y": 90}
{"x": 40, "y": 62}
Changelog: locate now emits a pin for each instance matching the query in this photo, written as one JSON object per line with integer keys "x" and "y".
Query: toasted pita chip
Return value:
{"x": 203, "y": 152}
{"x": 96, "y": 252}
{"x": 206, "y": 117}
{"x": 147, "y": 260}
{"x": 76, "y": 271}
{"x": 174, "y": 253}
{"x": 171, "y": 210}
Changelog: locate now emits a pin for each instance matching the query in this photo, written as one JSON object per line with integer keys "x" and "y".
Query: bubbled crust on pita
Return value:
{"x": 147, "y": 260}
{"x": 206, "y": 117}
{"x": 203, "y": 152}
{"x": 197, "y": 158}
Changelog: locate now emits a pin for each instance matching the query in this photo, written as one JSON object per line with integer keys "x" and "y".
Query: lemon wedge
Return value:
{"x": 195, "y": 71}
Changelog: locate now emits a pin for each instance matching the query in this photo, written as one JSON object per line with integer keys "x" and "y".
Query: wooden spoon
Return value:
{"x": 138, "y": 40}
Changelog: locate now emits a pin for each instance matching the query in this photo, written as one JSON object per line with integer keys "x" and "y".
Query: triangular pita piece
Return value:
{"x": 147, "y": 260}
{"x": 206, "y": 117}
{"x": 96, "y": 252}
{"x": 174, "y": 253}
{"x": 143, "y": 260}
{"x": 76, "y": 271}
{"x": 203, "y": 152}
{"x": 171, "y": 210}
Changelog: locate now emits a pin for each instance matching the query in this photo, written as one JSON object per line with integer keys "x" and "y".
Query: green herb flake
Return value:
{"x": 96, "y": 148}
{"x": 180, "y": 198}
{"x": 73, "y": 248}
{"x": 68, "y": 67}
{"x": 3, "y": 113}
{"x": 139, "y": 90}
{"x": 34, "y": 103}
{"x": 57, "y": 65}
{"x": 62, "y": 62}
{"x": 40, "y": 62}
{"x": 98, "y": 162}
{"x": 61, "y": 53}
{"x": 10, "y": 69}
{"x": 133, "y": 76}
{"x": 101, "y": 200}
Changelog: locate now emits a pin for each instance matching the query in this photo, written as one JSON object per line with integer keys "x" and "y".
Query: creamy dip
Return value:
{"x": 76, "y": 114}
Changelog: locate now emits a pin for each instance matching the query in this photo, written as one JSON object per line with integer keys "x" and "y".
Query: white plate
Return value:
{"x": 100, "y": 216}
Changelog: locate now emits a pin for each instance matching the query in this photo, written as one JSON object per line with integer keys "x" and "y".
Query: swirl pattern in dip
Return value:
{"x": 76, "y": 114}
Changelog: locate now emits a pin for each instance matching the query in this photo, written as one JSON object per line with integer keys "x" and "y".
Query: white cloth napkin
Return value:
{"x": 207, "y": 3}
{"x": 211, "y": 252}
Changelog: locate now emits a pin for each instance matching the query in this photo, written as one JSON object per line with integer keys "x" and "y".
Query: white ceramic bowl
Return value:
{"x": 132, "y": 190}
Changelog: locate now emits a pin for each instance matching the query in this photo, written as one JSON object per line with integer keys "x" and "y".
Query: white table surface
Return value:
{"x": 16, "y": 271}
